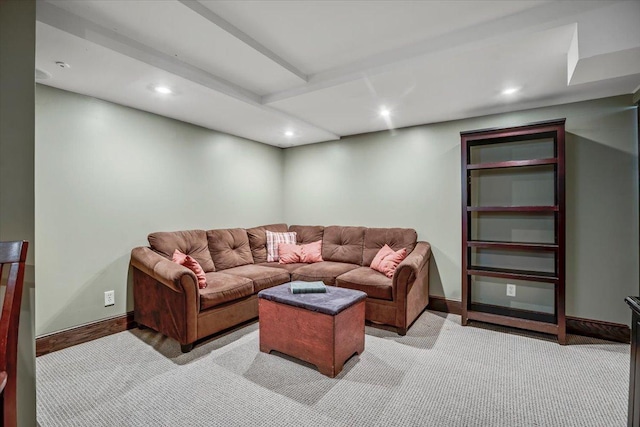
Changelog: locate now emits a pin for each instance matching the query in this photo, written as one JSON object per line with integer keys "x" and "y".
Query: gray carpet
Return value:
{"x": 439, "y": 374}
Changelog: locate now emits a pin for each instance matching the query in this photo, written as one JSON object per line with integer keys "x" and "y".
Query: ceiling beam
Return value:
{"x": 59, "y": 18}
{"x": 539, "y": 18}
{"x": 220, "y": 22}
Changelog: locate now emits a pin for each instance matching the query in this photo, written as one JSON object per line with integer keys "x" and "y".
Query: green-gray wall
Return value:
{"x": 17, "y": 62}
{"x": 107, "y": 175}
{"x": 411, "y": 178}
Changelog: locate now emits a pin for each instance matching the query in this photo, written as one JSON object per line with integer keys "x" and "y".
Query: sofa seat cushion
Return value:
{"x": 263, "y": 277}
{"x": 223, "y": 288}
{"x": 325, "y": 271}
{"x": 288, "y": 267}
{"x": 364, "y": 279}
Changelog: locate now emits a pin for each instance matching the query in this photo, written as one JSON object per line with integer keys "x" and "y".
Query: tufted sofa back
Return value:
{"x": 258, "y": 240}
{"x": 229, "y": 247}
{"x": 396, "y": 238}
{"x": 343, "y": 244}
{"x": 190, "y": 242}
{"x": 307, "y": 233}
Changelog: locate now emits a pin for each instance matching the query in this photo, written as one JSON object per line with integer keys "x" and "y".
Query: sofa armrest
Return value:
{"x": 411, "y": 286}
{"x": 412, "y": 266}
{"x": 167, "y": 272}
{"x": 165, "y": 295}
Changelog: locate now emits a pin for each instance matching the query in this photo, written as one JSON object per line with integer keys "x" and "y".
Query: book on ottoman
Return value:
{"x": 299, "y": 287}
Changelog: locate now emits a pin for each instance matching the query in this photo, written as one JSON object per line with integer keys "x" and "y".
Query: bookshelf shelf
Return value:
{"x": 512, "y": 208}
{"x": 513, "y": 164}
{"x": 506, "y": 273}
{"x": 512, "y": 245}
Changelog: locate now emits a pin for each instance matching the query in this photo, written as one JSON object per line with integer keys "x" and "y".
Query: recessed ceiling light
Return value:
{"x": 510, "y": 90}
{"x": 289, "y": 133}
{"x": 384, "y": 112}
{"x": 62, "y": 64}
{"x": 163, "y": 89}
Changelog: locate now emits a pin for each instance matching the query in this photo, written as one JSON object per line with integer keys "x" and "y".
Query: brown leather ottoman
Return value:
{"x": 324, "y": 329}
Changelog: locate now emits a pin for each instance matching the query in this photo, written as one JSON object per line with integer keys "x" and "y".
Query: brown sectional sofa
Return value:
{"x": 167, "y": 298}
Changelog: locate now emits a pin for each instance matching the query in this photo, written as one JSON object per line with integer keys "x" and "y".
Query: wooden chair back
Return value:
{"x": 12, "y": 255}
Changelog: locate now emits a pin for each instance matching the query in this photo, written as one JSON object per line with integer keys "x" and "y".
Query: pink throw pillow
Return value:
{"x": 382, "y": 253}
{"x": 289, "y": 253}
{"x": 386, "y": 260}
{"x": 191, "y": 264}
{"x": 311, "y": 252}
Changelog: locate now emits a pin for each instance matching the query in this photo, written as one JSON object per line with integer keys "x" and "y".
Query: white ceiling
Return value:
{"x": 324, "y": 69}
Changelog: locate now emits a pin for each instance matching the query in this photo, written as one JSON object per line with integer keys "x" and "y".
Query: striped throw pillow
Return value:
{"x": 274, "y": 239}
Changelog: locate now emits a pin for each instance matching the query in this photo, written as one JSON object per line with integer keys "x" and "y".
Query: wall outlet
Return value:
{"x": 511, "y": 290}
{"x": 109, "y": 298}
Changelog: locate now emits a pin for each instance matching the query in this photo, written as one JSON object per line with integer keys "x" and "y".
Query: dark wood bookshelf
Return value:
{"x": 501, "y": 143}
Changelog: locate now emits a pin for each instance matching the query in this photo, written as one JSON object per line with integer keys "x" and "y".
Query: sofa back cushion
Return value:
{"x": 395, "y": 238}
{"x": 307, "y": 233}
{"x": 190, "y": 242}
{"x": 343, "y": 244}
{"x": 258, "y": 240}
{"x": 229, "y": 248}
